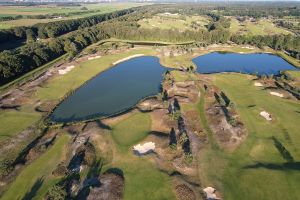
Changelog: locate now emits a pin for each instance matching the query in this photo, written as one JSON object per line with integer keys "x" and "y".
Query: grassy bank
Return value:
{"x": 35, "y": 178}
{"x": 247, "y": 175}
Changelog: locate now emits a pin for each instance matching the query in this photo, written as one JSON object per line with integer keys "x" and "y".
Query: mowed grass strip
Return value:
{"x": 243, "y": 177}
{"x": 41, "y": 169}
{"x": 143, "y": 180}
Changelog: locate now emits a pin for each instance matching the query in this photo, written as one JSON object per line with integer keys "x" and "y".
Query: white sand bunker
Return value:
{"x": 145, "y": 148}
{"x": 66, "y": 70}
{"x": 210, "y": 193}
{"x": 258, "y": 84}
{"x": 266, "y": 115}
{"x": 277, "y": 94}
{"x": 127, "y": 58}
{"x": 93, "y": 57}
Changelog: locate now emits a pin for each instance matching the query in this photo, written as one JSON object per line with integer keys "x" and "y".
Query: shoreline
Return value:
{"x": 127, "y": 58}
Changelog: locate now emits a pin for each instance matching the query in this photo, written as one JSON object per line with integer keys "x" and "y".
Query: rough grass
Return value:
{"x": 178, "y": 61}
{"x": 41, "y": 168}
{"x": 179, "y": 22}
{"x": 269, "y": 181}
{"x": 261, "y": 27}
{"x": 142, "y": 179}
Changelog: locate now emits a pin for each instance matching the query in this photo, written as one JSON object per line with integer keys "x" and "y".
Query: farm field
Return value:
{"x": 54, "y": 9}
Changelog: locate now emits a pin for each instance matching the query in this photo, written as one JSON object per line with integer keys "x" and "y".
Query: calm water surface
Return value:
{"x": 112, "y": 91}
{"x": 243, "y": 63}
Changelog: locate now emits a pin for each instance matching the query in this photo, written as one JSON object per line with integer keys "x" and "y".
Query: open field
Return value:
{"x": 77, "y": 11}
{"x": 257, "y": 159}
{"x": 179, "y": 22}
{"x": 261, "y": 27}
{"x": 36, "y": 178}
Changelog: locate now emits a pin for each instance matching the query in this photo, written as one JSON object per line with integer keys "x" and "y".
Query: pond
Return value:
{"x": 258, "y": 63}
{"x": 112, "y": 91}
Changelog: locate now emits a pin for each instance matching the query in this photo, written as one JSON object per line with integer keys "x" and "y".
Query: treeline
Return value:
{"x": 48, "y": 16}
{"x": 252, "y": 9}
{"x": 32, "y": 55}
{"x": 288, "y": 43}
{"x": 55, "y": 29}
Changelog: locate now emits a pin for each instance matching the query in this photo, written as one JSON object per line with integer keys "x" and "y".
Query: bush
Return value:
{"x": 56, "y": 193}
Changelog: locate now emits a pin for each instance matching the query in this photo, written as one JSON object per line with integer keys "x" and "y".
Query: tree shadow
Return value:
{"x": 159, "y": 134}
{"x": 34, "y": 189}
{"x": 102, "y": 125}
{"x": 273, "y": 166}
{"x": 95, "y": 170}
{"x": 116, "y": 171}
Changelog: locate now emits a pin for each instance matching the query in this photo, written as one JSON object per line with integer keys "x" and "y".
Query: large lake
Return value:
{"x": 243, "y": 63}
{"x": 112, "y": 91}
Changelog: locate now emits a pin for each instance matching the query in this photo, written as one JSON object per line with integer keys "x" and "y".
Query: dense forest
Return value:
{"x": 54, "y": 29}
{"x": 71, "y": 36}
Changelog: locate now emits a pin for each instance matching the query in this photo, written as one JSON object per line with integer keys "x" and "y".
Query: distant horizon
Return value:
{"x": 141, "y": 1}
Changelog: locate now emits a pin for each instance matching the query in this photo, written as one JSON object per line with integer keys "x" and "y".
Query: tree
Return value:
{"x": 172, "y": 137}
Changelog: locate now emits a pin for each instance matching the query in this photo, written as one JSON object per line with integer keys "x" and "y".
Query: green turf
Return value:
{"x": 13, "y": 122}
{"x": 132, "y": 130}
{"x": 272, "y": 181}
{"x": 142, "y": 178}
{"x": 41, "y": 168}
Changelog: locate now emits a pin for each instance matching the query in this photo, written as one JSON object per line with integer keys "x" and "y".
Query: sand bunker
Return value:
{"x": 210, "y": 193}
{"x": 266, "y": 115}
{"x": 127, "y": 58}
{"x": 145, "y": 148}
{"x": 93, "y": 57}
{"x": 66, "y": 70}
{"x": 277, "y": 94}
{"x": 257, "y": 84}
